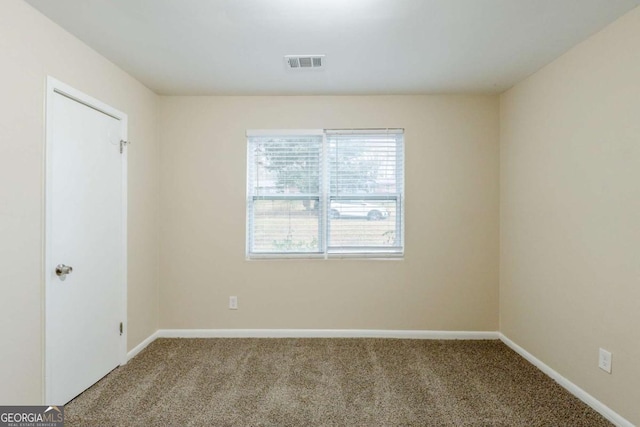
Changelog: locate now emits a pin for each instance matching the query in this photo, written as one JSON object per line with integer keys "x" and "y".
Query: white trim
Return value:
{"x": 365, "y": 131}
{"x": 283, "y": 256}
{"x": 327, "y": 333}
{"x": 137, "y": 349}
{"x": 284, "y": 132}
{"x": 124, "y": 120}
{"x": 55, "y": 86}
{"x": 572, "y": 388}
{"x": 325, "y": 185}
{"x": 325, "y": 257}
{"x": 382, "y": 256}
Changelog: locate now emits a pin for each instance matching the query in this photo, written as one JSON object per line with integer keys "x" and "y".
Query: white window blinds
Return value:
{"x": 366, "y": 175}
{"x": 337, "y": 193}
{"x": 284, "y": 194}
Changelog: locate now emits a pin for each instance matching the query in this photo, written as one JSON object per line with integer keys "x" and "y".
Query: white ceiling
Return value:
{"x": 207, "y": 47}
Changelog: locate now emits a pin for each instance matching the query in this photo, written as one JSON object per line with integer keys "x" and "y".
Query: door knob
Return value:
{"x": 62, "y": 271}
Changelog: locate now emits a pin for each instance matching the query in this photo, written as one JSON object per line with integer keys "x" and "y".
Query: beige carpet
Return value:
{"x": 328, "y": 382}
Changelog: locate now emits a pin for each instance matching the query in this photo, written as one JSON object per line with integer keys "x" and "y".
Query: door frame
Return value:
{"x": 54, "y": 86}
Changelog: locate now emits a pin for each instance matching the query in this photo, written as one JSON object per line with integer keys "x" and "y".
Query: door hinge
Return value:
{"x": 122, "y": 144}
{"x": 121, "y": 328}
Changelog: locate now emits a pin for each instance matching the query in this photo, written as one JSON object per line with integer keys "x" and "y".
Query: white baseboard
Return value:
{"x": 600, "y": 407}
{"x": 137, "y": 349}
{"x": 327, "y": 333}
{"x": 311, "y": 333}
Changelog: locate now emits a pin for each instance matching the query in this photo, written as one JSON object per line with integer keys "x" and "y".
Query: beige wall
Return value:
{"x": 570, "y": 212}
{"x": 32, "y": 47}
{"x": 449, "y": 277}
{"x": 565, "y": 178}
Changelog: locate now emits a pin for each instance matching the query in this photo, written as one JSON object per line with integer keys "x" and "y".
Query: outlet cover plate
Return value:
{"x": 604, "y": 361}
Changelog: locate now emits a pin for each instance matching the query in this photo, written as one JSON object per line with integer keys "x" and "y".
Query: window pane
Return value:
{"x": 365, "y": 164}
{"x": 286, "y": 226}
{"x": 283, "y": 199}
{"x": 285, "y": 165}
{"x": 366, "y": 184}
{"x": 363, "y": 223}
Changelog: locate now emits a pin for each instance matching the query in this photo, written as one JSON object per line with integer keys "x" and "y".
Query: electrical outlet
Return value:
{"x": 604, "y": 361}
{"x": 233, "y": 303}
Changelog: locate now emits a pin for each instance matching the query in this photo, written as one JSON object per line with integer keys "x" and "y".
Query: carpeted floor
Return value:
{"x": 328, "y": 382}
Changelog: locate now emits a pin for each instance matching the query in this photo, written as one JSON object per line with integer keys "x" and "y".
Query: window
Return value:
{"x": 332, "y": 193}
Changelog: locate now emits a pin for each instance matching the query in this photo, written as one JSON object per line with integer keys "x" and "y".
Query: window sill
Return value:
{"x": 331, "y": 257}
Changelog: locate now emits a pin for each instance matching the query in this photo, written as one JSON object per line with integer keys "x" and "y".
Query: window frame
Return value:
{"x": 325, "y": 198}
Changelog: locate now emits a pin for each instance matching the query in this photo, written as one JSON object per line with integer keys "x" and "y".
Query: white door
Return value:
{"x": 86, "y": 239}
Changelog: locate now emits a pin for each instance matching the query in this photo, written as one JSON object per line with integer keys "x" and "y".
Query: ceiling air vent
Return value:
{"x": 304, "y": 62}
